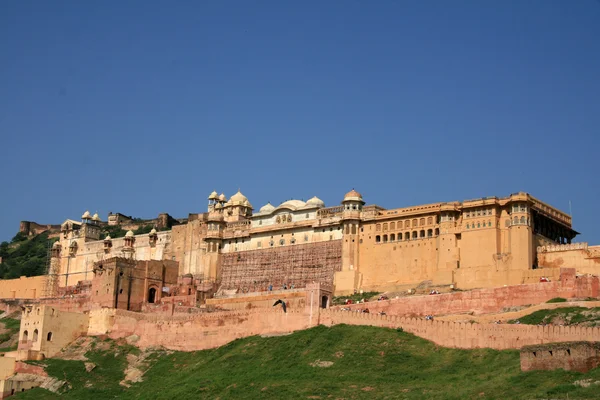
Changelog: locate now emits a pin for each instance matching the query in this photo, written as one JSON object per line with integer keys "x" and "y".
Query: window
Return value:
{"x": 437, "y": 231}
{"x": 392, "y": 237}
{"x": 306, "y": 238}
{"x": 516, "y": 220}
{"x": 422, "y": 222}
{"x": 385, "y": 238}
{"x": 422, "y": 233}
{"x": 377, "y": 239}
{"x": 281, "y": 242}
{"x": 429, "y": 232}
{"x": 385, "y": 227}
{"x": 293, "y": 240}
{"x": 467, "y": 226}
{"x": 49, "y": 337}
{"x": 407, "y": 224}
{"x": 259, "y": 244}
{"x": 414, "y": 223}
{"x": 25, "y": 335}
{"x": 392, "y": 226}
{"x": 523, "y": 220}
{"x": 407, "y": 236}
{"x": 414, "y": 234}
{"x": 478, "y": 225}
{"x": 35, "y": 336}
{"x": 429, "y": 220}
{"x": 399, "y": 236}
{"x": 377, "y": 227}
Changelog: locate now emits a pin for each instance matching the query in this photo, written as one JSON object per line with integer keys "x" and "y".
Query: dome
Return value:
{"x": 129, "y": 234}
{"x": 292, "y": 204}
{"x": 96, "y": 217}
{"x": 56, "y": 245}
{"x": 213, "y": 196}
{"x": 238, "y": 199}
{"x": 107, "y": 238}
{"x": 315, "y": 202}
{"x": 247, "y": 204}
{"x": 267, "y": 208}
{"x": 353, "y": 195}
{"x": 153, "y": 231}
{"x": 222, "y": 197}
{"x": 86, "y": 215}
{"x": 218, "y": 206}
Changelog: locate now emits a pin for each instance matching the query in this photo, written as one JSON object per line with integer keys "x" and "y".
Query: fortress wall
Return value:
{"x": 295, "y": 299}
{"x": 487, "y": 300}
{"x": 465, "y": 335}
{"x": 585, "y": 259}
{"x": 198, "y": 332}
{"x": 22, "y": 288}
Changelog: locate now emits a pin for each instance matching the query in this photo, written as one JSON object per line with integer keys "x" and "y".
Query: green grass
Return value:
{"x": 557, "y": 300}
{"x": 368, "y": 363}
{"x": 338, "y": 300}
{"x": 565, "y": 316}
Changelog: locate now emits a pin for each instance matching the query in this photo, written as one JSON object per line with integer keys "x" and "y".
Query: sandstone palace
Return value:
{"x": 232, "y": 248}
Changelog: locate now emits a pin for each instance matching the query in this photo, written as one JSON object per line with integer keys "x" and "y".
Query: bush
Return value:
{"x": 557, "y": 300}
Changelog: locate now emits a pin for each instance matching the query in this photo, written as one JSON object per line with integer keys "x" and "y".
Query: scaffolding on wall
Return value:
{"x": 297, "y": 265}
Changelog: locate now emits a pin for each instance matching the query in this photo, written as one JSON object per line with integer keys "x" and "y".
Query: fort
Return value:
{"x": 205, "y": 280}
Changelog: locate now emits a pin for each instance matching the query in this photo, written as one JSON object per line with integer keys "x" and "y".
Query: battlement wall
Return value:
{"x": 466, "y": 335}
{"x": 484, "y": 301}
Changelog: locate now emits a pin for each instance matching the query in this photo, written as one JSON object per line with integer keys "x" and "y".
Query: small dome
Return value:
{"x": 238, "y": 199}
{"x": 56, "y": 245}
{"x": 86, "y": 215}
{"x": 267, "y": 208}
{"x": 315, "y": 202}
{"x": 129, "y": 234}
{"x": 213, "y": 196}
{"x": 96, "y": 217}
{"x": 353, "y": 195}
{"x": 153, "y": 231}
{"x": 218, "y": 206}
{"x": 222, "y": 197}
{"x": 247, "y": 204}
{"x": 107, "y": 238}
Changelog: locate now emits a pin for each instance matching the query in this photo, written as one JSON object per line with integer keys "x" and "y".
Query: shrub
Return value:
{"x": 557, "y": 300}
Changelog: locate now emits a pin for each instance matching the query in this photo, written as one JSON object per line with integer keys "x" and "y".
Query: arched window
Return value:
{"x": 523, "y": 220}
{"x": 489, "y": 223}
{"x": 377, "y": 227}
{"x": 478, "y": 225}
{"x": 392, "y": 237}
{"x": 422, "y": 222}
{"x": 407, "y": 236}
{"x": 385, "y": 238}
{"x": 516, "y": 220}
{"x": 407, "y": 224}
{"x": 49, "y": 336}
{"x": 377, "y": 239}
{"x": 35, "y": 336}
{"x": 25, "y": 335}
{"x": 414, "y": 234}
{"x": 437, "y": 231}
{"x": 392, "y": 226}
{"x": 429, "y": 220}
{"x": 429, "y": 232}
{"x": 422, "y": 233}
{"x": 399, "y": 236}
{"x": 385, "y": 226}
{"x": 414, "y": 222}
{"x": 467, "y": 226}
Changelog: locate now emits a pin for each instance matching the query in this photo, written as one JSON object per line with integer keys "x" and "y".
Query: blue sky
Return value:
{"x": 146, "y": 107}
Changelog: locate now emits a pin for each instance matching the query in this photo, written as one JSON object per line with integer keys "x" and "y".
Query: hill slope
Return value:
{"x": 348, "y": 362}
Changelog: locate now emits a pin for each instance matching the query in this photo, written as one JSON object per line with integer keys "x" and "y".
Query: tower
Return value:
{"x": 128, "y": 251}
{"x": 347, "y": 279}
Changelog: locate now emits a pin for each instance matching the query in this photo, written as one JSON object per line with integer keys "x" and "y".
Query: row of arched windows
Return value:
{"x": 35, "y": 336}
{"x": 479, "y": 224}
{"x": 404, "y": 224}
{"x": 406, "y": 236}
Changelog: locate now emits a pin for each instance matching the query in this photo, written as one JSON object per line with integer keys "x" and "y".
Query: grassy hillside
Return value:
{"x": 348, "y": 362}
{"x": 24, "y": 256}
{"x": 563, "y": 316}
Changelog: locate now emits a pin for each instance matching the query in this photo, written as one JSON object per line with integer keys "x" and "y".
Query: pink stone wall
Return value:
{"x": 487, "y": 300}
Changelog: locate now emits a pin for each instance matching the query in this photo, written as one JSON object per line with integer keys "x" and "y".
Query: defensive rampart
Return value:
{"x": 466, "y": 335}
{"x": 488, "y": 300}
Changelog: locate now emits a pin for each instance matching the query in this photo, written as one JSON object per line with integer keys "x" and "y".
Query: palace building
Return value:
{"x": 234, "y": 248}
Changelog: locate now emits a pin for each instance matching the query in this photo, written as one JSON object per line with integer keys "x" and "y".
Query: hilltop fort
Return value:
{"x": 201, "y": 281}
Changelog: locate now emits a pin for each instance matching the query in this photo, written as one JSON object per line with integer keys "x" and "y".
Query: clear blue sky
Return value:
{"x": 146, "y": 107}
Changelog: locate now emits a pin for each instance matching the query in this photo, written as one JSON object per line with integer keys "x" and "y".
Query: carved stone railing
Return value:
{"x": 232, "y": 226}
{"x": 330, "y": 211}
{"x": 562, "y": 247}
